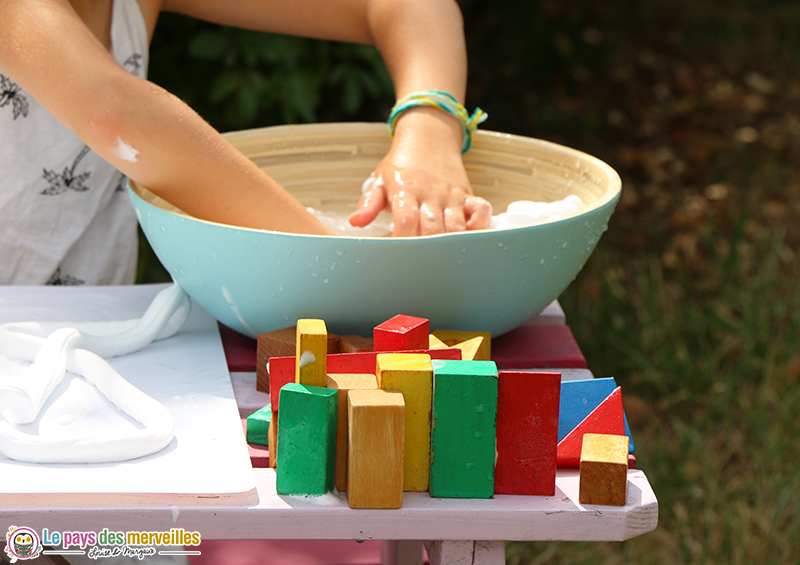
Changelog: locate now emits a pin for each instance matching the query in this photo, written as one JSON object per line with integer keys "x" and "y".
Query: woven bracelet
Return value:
{"x": 443, "y": 101}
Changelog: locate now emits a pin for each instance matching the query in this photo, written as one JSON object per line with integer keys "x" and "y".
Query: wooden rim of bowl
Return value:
{"x": 324, "y": 165}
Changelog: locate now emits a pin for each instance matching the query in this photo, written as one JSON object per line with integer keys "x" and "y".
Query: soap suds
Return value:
{"x": 307, "y": 358}
{"x": 125, "y": 151}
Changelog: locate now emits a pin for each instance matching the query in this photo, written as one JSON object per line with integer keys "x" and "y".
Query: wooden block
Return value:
{"x": 355, "y": 344}
{"x": 579, "y": 398}
{"x": 631, "y": 461}
{"x": 474, "y": 346}
{"x": 604, "y": 470}
{"x": 259, "y": 454}
{"x": 311, "y": 353}
{"x": 402, "y": 333}
{"x": 605, "y": 419}
{"x": 307, "y": 440}
{"x": 273, "y": 440}
{"x": 281, "y": 369}
{"x": 345, "y": 383}
{"x": 375, "y": 448}
{"x": 463, "y": 429}
{"x": 281, "y": 372}
{"x": 258, "y": 425}
{"x": 411, "y": 374}
{"x": 527, "y": 433}
{"x": 537, "y": 347}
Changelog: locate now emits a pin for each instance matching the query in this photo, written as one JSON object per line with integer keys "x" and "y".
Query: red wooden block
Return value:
{"x": 259, "y": 454}
{"x": 537, "y": 347}
{"x": 631, "y": 461}
{"x": 527, "y": 433}
{"x": 282, "y": 369}
{"x": 608, "y": 418}
{"x": 402, "y": 333}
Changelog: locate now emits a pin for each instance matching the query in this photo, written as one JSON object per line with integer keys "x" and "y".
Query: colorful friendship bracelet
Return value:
{"x": 443, "y": 101}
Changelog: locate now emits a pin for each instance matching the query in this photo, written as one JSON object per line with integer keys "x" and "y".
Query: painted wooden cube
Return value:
{"x": 464, "y": 417}
{"x": 412, "y": 375}
{"x": 306, "y": 439}
{"x": 375, "y": 448}
{"x": 344, "y": 383}
{"x": 527, "y": 432}
{"x": 402, "y": 333}
{"x": 604, "y": 470}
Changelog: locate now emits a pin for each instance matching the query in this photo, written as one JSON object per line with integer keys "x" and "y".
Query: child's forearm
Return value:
{"x": 145, "y": 132}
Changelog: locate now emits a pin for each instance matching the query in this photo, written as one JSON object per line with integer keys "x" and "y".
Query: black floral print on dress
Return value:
{"x": 133, "y": 64}
{"x": 10, "y": 93}
{"x": 67, "y": 180}
{"x": 59, "y": 279}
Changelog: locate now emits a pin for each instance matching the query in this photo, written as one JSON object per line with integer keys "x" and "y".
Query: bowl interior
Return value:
{"x": 324, "y": 165}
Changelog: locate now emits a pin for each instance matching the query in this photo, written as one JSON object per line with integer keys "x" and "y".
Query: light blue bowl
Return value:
{"x": 258, "y": 281}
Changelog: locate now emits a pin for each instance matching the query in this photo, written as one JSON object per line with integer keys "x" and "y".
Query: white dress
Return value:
{"x": 65, "y": 215}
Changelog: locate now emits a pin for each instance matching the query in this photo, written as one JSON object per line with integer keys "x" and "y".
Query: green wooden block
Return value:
{"x": 464, "y": 422}
{"x": 258, "y": 426}
{"x": 307, "y": 439}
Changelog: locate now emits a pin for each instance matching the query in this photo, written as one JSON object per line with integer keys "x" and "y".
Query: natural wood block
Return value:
{"x": 311, "y": 353}
{"x": 604, "y": 470}
{"x": 605, "y": 419}
{"x": 307, "y": 440}
{"x": 344, "y": 383}
{"x": 527, "y": 433}
{"x": 355, "y": 344}
{"x": 579, "y": 398}
{"x": 375, "y": 448}
{"x": 463, "y": 429}
{"x": 258, "y": 425}
{"x": 273, "y": 440}
{"x": 412, "y": 375}
{"x": 402, "y": 333}
{"x": 474, "y": 346}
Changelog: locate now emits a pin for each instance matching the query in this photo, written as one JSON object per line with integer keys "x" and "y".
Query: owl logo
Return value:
{"x": 22, "y": 543}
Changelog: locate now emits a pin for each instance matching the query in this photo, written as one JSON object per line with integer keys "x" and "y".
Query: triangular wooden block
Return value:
{"x": 607, "y": 418}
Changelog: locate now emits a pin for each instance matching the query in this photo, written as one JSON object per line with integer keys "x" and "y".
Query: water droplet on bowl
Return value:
{"x": 340, "y": 252}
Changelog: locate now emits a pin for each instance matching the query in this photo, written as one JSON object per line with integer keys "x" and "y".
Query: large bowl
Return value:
{"x": 257, "y": 281}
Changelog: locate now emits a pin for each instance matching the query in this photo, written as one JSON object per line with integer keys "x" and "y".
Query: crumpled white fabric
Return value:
{"x": 35, "y": 358}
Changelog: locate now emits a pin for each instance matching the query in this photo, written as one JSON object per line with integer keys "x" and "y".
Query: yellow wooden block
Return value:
{"x": 345, "y": 383}
{"x": 604, "y": 470}
{"x": 311, "y": 353}
{"x": 411, "y": 374}
{"x": 375, "y": 449}
{"x": 474, "y": 346}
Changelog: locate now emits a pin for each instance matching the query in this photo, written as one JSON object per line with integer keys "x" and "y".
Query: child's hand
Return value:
{"x": 422, "y": 180}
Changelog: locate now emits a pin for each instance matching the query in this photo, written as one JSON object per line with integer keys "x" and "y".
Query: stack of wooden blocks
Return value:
{"x": 411, "y": 410}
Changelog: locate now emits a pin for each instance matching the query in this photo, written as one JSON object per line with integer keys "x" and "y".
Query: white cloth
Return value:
{"x": 65, "y": 216}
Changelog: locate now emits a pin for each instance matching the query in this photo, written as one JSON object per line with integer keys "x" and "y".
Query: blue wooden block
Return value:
{"x": 579, "y": 398}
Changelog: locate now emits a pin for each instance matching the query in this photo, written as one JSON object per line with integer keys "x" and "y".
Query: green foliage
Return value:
{"x": 239, "y": 79}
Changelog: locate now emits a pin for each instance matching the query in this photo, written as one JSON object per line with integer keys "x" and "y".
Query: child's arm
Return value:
{"x": 422, "y": 43}
{"x": 141, "y": 129}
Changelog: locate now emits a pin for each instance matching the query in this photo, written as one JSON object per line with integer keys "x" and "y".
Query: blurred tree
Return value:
{"x": 239, "y": 79}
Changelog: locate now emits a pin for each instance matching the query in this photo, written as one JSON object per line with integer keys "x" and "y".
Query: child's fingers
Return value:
{"x": 478, "y": 213}
{"x": 373, "y": 200}
{"x": 405, "y": 211}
